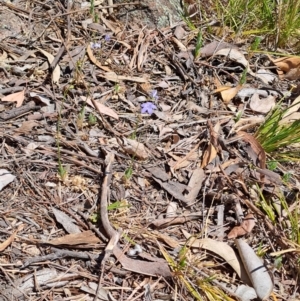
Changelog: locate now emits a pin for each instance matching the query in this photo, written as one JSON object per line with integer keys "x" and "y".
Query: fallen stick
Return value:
{"x": 111, "y": 233}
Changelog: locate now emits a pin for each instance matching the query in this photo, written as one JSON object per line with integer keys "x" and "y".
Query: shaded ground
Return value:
{"x": 188, "y": 165}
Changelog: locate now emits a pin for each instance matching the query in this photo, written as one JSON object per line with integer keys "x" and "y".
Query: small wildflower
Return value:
{"x": 95, "y": 45}
{"x": 153, "y": 94}
{"x": 148, "y": 107}
{"x": 107, "y": 38}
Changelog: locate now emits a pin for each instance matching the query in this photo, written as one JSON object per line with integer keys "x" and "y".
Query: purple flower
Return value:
{"x": 153, "y": 94}
{"x": 107, "y": 38}
{"x": 148, "y": 107}
{"x": 95, "y": 45}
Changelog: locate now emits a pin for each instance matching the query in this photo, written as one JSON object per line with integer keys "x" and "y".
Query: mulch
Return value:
{"x": 75, "y": 133}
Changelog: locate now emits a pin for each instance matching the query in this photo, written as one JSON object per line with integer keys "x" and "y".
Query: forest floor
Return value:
{"x": 132, "y": 164}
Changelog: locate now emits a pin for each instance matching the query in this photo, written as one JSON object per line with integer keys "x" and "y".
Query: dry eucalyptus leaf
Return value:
{"x": 287, "y": 63}
{"x": 222, "y": 249}
{"x": 293, "y": 74}
{"x": 266, "y": 76}
{"x": 141, "y": 266}
{"x": 293, "y": 108}
{"x": 101, "y": 108}
{"x": 179, "y": 32}
{"x": 229, "y": 94}
{"x": 27, "y": 127}
{"x": 235, "y": 55}
{"x": 290, "y": 118}
{"x": 17, "y": 97}
{"x": 65, "y": 221}
{"x": 246, "y": 227}
{"x": 112, "y": 76}
{"x": 94, "y": 60}
{"x": 209, "y": 154}
{"x": 246, "y": 293}
{"x": 8, "y": 241}
{"x": 257, "y": 272}
{"x": 42, "y": 99}
{"x": 171, "y": 209}
{"x": 134, "y": 148}
{"x": 5, "y": 178}
{"x": 82, "y": 238}
{"x": 213, "y": 47}
{"x": 255, "y": 145}
{"x": 56, "y": 71}
{"x": 262, "y": 105}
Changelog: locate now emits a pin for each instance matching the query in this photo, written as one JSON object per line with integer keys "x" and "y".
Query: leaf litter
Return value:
{"x": 182, "y": 130}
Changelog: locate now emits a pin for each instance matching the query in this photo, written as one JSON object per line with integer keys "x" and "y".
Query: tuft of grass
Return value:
{"x": 62, "y": 171}
{"x": 95, "y": 217}
{"x": 199, "y": 44}
{"x": 278, "y": 20}
{"x": 92, "y": 119}
{"x": 275, "y": 136}
{"x": 81, "y": 117}
{"x": 187, "y": 276}
{"x": 266, "y": 206}
{"x": 292, "y": 226}
{"x": 93, "y": 12}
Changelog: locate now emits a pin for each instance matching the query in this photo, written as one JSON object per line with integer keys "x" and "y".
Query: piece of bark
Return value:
{"x": 13, "y": 113}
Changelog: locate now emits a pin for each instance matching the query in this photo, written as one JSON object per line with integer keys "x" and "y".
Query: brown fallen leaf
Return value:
{"x": 209, "y": 154}
{"x": 94, "y": 60}
{"x": 222, "y": 249}
{"x": 5, "y": 178}
{"x": 56, "y": 71}
{"x": 246, "y": 227}
{"x": 237, "y": 56}
{"x": 112, "y": 76}
{"x": 228, "y": 94}
{"x": 134, "y": 148}
{"x": 293, "y": 74}
{"x": 101, "y": 108}
{"x": 291, "y": 113}
{"x": 65, "y": 221}
{"x": 262, "y": 105}
{"x": 27, "y": 127}
{"x": 82, "y": 238}
{"x": 257, "y": 148}
{"x": 7, "y": 242}
{"x": 139, "y": 41}
{"x": 142, "y": 55}
{"x": 18, "y": 97}
{"x": 195, "y": 184}
{"x": 213, "y": 47}
{"x": 287, "y": 63}
{"x": 179, "y": 163}
{"x": 176, "y": 189}
{"x": 142, "y": 267}
{"x": 171, "y": 242}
